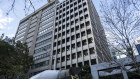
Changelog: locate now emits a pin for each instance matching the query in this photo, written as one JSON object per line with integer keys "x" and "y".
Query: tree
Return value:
{"x": 29, "y": 5}
{"x": 121, "y": 19}
{"x": 14, "y": 60}
{"x": 86, "y": 72}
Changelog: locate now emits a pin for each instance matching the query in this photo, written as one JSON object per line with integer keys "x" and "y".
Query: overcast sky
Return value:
{"x": 9, "y": 24}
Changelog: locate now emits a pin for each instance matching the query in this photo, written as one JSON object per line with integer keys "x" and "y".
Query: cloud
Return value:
{"x": 4, "y": 20}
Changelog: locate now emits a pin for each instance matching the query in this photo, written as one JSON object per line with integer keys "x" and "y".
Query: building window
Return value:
{"x": 63, "y": 13}
{"x": 85, "y": 52}
{"x": 63, "y": 27}
{"x": 81, "y": 18}
{"x": 73, "y": 46}
{"x": 68, "y": 57}
{"x": 58, "y": 60}
{"x": 76, "y": 21}
{"x": 55, "y": 37}
{"x": 59, "y": 35}
{"x": 87, "y": 23}
{"x": 79, "y": 54}
{"x": 90, "y": 40}
{"x": 58, "y": 51}
{"x": 88, "y": 31}
{"x": 85, "y": 9}
{"x": 71, "y": 18}
{"x": 79, "y": 6}
{"x": 80, "y": 64}
{"x": 82, "y": 25}
{"x": 63, "y": 41}
{"x": 86, "y": 16}
{"x": 59, "y": 28}
{"x": 63, "y": 33}
{"x": 59, "y": 18}
{"x": 72, "y": 30}
{"x": 76, "y": 14}
{"x": 83, "y": 34}
{"x": 84, "y": 4}
{"x": 75, "y": 8}
{"x": 59, "y": 42}
{"x": 68, "y": 39}
{"x": 67, "y": 24}
{"x": 68, "y": 48}
{"x": 68, "y": 31}
{"x": 63, "y": 20}
{"x": 72, "y": 37}
{"x": 55, "y": 30}
{"x": 79, "y": 1}
{"x": 93, "y": 61}
{"x": 63, "y": 59}
{"x": 73, "y": 56}
{"x": 75, "y": 3}
{"x": 54, "y": 44}
{"x": 71, "y": 10}
{"x": 77, "y": 27}
{"x": 84, "y": 42}
{"x": 54, "y": 52}
{"x": 80, "y": 12}
{"x": 91, "y": 51}
{"x": 63, "y": 49}
{"x": 67, "y": 12}
{"x": 78, "y": 44}
{"x": 78, "y": 35}
{"x": 67, "y": 3}
{"x": 67, "y": 18}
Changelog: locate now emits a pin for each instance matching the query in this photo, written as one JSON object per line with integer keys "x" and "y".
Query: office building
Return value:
{"x": 64, "y": 35}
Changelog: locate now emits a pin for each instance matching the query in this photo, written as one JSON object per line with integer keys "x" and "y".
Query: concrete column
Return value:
{"x": 95, "y": 74}
{"x": 125, "y": 76}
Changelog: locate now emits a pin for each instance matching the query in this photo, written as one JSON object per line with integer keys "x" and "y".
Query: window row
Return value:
{"x": 42, "y": 56}
{"x": 48, "y": 15}
{"x": 24, "y": 23}
{"x": 45, "y": 30}
{"x": 73, "y": 56}
{"x": 45, "y": 25}
{"x": 83, "y": 33}
{"x": 47, "y": 20}
{"x": 43, "y": 42}
{"x": 45, "y": 48}
{"x": 44, "y": 63}
{"x": 30, "y": 34}
{"x": 34, "y": 21}
{"x": 21, "y": 31}
{"x": 66, "y": 3}
{"x": 44, "y": 36}
{"x": 22, "y": 27}
{"x": 71, "y": 23}
{"x": 19, "y": 39}
{"x": 21, "y": 34}
{"x": 72, "y": 15}
{"x": 73, "y": 46}
{"x": 71, "y": 10}
{"x": 45, "y": 11}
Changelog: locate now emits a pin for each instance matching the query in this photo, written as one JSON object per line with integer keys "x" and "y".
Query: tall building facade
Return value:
{"x": 64, "y": 35}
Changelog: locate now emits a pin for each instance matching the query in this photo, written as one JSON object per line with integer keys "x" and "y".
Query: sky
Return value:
{"x": 9, "y": 23}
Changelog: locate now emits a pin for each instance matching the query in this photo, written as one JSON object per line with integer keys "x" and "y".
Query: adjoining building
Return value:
{"x": 64, "y": 35}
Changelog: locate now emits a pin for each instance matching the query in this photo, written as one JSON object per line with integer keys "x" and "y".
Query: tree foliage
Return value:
{"x": 86, "y": 72}
{"x": 14, "y": 59}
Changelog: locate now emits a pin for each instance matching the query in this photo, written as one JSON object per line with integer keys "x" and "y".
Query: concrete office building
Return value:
{"x": 79, "y": 37}
{"x": 63, "y": 35}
